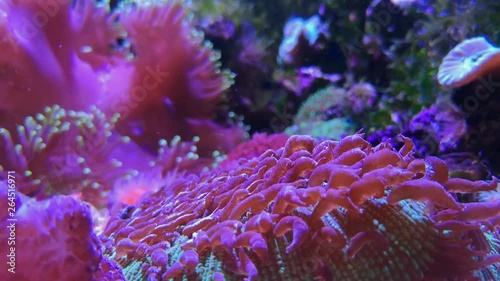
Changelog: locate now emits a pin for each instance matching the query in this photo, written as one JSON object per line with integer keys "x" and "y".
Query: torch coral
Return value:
{"x": 323, "y": 104}
{"x": 334, "y": 210}
{"x": 56, "y": 233}
{"x": 334, "y": 102}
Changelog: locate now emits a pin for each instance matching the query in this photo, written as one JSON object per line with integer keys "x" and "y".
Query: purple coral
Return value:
{"x": 53, "y": 240}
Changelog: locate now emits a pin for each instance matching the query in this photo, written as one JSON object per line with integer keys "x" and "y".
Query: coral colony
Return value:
{"x": 249, "y": 140}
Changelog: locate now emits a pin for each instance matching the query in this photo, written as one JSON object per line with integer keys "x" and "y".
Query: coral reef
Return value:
{"x": 311, "y": 210}
{"x": 222, "y": 140}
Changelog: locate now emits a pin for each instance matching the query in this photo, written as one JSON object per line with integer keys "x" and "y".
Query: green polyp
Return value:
{"x": 18, "y": 149}
{"x": 29, "y": 122}
{"x": 40, "y": 117}
{"x": 175, "y": 140}
{"x": 162, "y": 142}
{"x": 216, "y": 154}
{"x": 191, "y": 155}
{"x": 38, "y": 143}
{"x": 65, "y": 126}
{"x": 7, "y": 138}
{"x": 21, "y": 130}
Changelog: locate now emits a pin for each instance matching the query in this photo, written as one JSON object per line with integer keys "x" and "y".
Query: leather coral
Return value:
{"x": 337, "y": 210}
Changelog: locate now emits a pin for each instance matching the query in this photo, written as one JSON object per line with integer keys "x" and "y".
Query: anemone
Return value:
{"x": 62, "y": 152}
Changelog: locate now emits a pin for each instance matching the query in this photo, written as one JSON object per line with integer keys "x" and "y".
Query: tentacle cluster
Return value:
{"x": 60, "y": 151}
{"x": 334, "y": 210}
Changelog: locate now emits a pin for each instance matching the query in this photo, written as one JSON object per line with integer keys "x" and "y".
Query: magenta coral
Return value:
{"x": 40, "y": 58}
{"x": 259, "y": 143}
{"x": 176, "y": 82}
{"x": 53, "y": 240}
{"x": 163, "y": 81}
{"x": 65, "y": 152}
{"x": 284, "y": 216}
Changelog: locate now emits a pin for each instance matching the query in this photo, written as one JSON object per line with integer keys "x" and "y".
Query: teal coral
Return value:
{"x": 316, "y": 107}
{"x": 334, "y": 129}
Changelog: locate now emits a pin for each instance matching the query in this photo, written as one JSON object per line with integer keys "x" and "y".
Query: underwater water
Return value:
{"x": 249, "y": 140}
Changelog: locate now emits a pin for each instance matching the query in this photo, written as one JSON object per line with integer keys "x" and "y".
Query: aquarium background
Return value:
{"x": 249, "y": 140}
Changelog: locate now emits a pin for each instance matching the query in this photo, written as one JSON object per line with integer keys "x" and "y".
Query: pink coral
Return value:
{"x": 40, "y": 59}
{"x": 285, "y": 216}
{"x": 53, "y": 240}
{"x": 176, "y": 81}
{"x": 259, "y": 143}
{"x": 166, "y": 84}
{"x": 64, "y": 152}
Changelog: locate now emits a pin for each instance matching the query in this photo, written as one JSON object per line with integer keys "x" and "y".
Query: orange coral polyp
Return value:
{"x": 437, "y": 170}
{"x": 464, "y": 186}
{"x": 336, "y": 222}
{"x": 366, "y": 188}
{"x": 380, "y": 159}
{"x": 423, "y": 190}
{"x": 363, "y": 238}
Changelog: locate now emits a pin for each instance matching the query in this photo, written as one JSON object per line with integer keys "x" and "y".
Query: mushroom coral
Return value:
{"x": 300, "y": 38}
{"x": 333, "y": 210}
{"x": 473, "y": 69}
{"x": 467, "y": 62}
{"x": 53, "y": 240}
